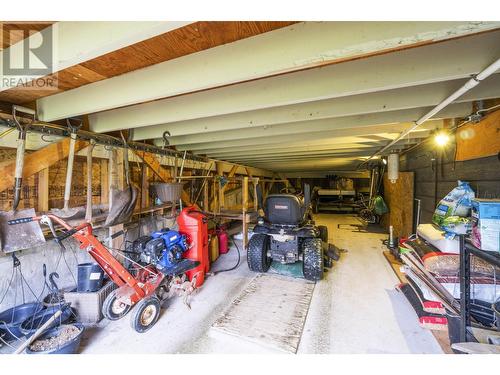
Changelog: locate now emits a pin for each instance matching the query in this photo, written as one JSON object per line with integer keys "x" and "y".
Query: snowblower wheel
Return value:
{"x": 313, "y": 263}
{"x": 257, "y": 256}
{"x": 323, "y": 233}
{"x": 113, "y": 309}
{"x": 146, "y": 314}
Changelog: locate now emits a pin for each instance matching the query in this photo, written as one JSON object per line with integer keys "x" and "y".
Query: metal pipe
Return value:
{"x": 471, "y": 83}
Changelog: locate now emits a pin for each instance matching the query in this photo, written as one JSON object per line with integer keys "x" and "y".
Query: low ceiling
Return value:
{"x": 282, "y": 96}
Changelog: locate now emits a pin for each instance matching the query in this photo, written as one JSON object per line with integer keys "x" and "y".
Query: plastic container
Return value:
{"x": 30, "y": 325}
{"x": 14, "y": 317}
{"x": 223, "y": 240}
{"x": 214, "y": 247}
{"x": 88, "y": 305}
{"x": 70, "y": 347}
{"x": 90, "y": 277}
{"x": 193, "y": 224}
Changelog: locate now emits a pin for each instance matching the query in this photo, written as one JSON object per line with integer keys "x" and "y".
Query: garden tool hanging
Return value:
{"x": 21, "y": 148}
{"x": 122, "y": 201}
{"x": 66, "y": 212}
{"x": 30, "y": 235}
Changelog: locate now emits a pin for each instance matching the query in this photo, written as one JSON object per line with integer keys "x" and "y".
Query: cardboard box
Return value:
{"x": 486, "y": 224}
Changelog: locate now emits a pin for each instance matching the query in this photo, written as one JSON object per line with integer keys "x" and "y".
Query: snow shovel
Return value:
{"x": 66, "y": 212}
{"x": 31, "y": 234}
{"x": 123, "y": 201}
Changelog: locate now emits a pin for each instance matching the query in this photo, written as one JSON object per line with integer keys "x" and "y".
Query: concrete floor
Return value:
{"x": 354, "y": 310}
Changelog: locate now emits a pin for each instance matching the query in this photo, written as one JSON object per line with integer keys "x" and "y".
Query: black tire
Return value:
{"x": 323, "y": 233}
{"x": 257, "y": 258}
{"x": 145, "y": 314}
{"x": 112, "y": 309}
{"x": 313, "y": 263}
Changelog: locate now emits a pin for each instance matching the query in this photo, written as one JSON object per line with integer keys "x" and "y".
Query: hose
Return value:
{"x": 237, "y": 263}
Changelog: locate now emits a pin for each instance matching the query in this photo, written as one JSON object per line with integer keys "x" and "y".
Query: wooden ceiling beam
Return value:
{"x": 287, "y": 50}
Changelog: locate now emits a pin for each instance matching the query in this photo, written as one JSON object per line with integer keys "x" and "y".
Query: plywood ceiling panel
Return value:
{"x": 186, "y": 40}
{"x": 13, "y": 32}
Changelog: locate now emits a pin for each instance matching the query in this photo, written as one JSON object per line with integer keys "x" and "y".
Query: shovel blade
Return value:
{"x": 20, "y": 236}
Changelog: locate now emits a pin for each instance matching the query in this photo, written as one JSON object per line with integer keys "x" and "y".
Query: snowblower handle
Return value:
{"x": 21, "y": 220}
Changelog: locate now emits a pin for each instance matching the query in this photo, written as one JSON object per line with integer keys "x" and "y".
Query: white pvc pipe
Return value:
{"x": 471, "y": 83}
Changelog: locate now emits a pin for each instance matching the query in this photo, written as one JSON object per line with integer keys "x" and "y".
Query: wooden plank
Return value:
{"x": 145, "y": 187}
{"x": 183, "y": 41}
{"x": 104, "y": 181}
{"x": 399, "y": 198}
{"x": 395, "y": 265}
{"x": 220, "y": 173}
{"x": 479, "y": 140}
{"x": 116, "y": 181}
{"x": 283, "y": 301}
{"x": 43, "y": 190}
{"x": 205, "y": 196}
{"x": 37, "y": 161}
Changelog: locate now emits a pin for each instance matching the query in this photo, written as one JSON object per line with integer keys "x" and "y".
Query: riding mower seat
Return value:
{"x": 285, "y": 209}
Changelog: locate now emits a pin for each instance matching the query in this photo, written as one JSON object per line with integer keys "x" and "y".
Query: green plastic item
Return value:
{"x": 379, "y": 206}
{"x": 403, "y": 250}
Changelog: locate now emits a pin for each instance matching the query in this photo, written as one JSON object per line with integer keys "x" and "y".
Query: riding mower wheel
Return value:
{"x": 313, "y": 262}
{"x": 145, "y": 314}
{"x": 257, "y": 258}
{"x": 113, "y": 309}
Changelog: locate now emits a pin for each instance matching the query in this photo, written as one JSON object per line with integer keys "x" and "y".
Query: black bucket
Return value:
{"x": 90, "y": 277}
{"x": 496, "y": 309}
{"x": 11, "y": 319}
{"x": 69, "y": 347}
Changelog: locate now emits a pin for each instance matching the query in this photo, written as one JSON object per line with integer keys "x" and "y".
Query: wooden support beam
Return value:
{"x": 205, "y": 197}
{"x": 37, "y": 161}
{"x": 43, "y": 190}
{"x": 245, "y": 210}
{"x": 104, "y": 181}
{"x": 145, "y": 187}
{"x": 220, "y": 173}
{"x": 116, "y": 181}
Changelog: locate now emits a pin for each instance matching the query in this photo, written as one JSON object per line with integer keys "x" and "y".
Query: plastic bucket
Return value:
{"x": 90, "y": 277}
{"x": 69, "y": 347}
{"x": 11, "y": 319}
{"x": 30, "y": 325}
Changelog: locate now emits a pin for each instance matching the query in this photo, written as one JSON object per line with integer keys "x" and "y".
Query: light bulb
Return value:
{"x": 442, "y": 139}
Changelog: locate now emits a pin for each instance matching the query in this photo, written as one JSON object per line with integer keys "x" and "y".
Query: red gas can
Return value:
{"x": 193, "y": 224}
{"x": 223, "y": 240}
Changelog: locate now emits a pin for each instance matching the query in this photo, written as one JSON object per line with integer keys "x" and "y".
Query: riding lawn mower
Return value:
{"x": 287, "y": 233}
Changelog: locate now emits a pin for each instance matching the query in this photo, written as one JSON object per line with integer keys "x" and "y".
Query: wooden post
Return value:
{"x": 104, "y": 181}
{"x": 43, "y": 190}
{"x": 145, "y": 186}
{"x": 205, "y": 197}
{"x": 220, "y": 173}
{"x": 116, "y": 181}
{"x": 244, "y": 192}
